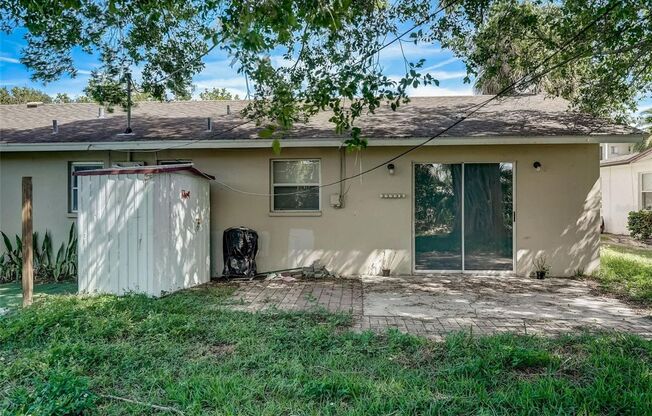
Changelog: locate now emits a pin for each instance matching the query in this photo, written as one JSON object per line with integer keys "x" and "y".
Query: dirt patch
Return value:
{"x": 217, "y": 350}
{"x": 222, "y": 349}
{"x": 626, "y": 241}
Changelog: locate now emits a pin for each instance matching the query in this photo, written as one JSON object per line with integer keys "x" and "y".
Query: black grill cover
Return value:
{"x": 240, "y": 246}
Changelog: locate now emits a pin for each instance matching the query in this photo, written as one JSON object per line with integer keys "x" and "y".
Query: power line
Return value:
{"x": 483, "y": 104}
{"x": 472, "y": 109}
{"x": 183, "y": 144}
{"x": 394, "y": 40}
{"x": 469, "y": 112}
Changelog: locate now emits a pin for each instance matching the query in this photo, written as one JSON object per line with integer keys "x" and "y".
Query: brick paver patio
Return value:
{"x": 434, "y": 306}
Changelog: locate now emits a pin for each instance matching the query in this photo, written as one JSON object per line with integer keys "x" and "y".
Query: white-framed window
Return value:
{"x": 73, "y": 189}
{"x": 646, "y": 190}
{"x": 295, "y": 185}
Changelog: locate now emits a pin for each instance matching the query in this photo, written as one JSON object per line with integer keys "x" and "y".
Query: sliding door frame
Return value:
{"x": 463, "y": 270}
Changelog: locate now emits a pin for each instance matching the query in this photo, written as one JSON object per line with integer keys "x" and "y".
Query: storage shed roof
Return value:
{"x": 189, "y": 168}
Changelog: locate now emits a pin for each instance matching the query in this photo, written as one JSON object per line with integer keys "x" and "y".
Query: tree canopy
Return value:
{"x": 330, "y": 49}
{"x": 218, "y": 94}
{"x": 22, "y": 95}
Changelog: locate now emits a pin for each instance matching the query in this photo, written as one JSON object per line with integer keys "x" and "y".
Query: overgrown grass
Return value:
{"x": 11, "y": 294}
{"x": 188, "y": 352}
{"x": 626, "y": 271}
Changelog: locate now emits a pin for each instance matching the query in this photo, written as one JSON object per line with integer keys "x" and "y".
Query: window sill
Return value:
{"x": 71, "y": 215}
{"x": 295, "y": 214}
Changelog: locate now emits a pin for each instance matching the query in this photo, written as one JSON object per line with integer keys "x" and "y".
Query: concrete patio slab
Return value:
{"x": 436, "y": 305}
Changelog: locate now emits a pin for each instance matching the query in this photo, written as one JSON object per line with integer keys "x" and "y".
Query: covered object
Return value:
{"x": 240, "y": 245}
{"x": 143, "y": 229}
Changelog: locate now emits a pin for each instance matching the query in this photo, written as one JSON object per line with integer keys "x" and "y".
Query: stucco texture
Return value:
{"x": 558, "y": 208}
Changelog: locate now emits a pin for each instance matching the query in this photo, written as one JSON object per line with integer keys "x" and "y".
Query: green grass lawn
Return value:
{"x": 11, "y": 294}
{"x": 626, "y": 271}
{"x": 188, "y": 352}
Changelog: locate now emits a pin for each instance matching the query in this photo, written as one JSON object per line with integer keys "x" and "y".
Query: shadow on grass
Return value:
{"x": 190, "y": 352}
{"x": 11, "y": 294}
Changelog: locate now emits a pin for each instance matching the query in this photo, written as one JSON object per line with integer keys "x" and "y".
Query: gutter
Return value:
{"x": 290, "y": 143}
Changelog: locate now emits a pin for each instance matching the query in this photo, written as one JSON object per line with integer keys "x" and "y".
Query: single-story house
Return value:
{"x": 517, "y": 179}
{"x": 626, "y": 183}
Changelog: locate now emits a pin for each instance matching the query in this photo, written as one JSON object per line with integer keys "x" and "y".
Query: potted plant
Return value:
{"x": 387, "y": 261}
{"x": 541, "y": 267}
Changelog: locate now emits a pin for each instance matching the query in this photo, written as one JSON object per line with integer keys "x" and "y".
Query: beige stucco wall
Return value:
{"x": 621, "y": 193}
{"x": 557, "y": 208}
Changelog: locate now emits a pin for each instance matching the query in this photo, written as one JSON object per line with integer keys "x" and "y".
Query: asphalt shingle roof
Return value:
{"x": 522, "y": 116}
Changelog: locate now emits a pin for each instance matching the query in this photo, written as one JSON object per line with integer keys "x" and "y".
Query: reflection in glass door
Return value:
{"x": 438, "y": 216}
{"x": 488, "y": 216}
{"x": 463, "y": 216}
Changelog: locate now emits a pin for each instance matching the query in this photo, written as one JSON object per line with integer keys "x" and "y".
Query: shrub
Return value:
{"x": 639, "y": 224}
{"x": 47, "y": 266}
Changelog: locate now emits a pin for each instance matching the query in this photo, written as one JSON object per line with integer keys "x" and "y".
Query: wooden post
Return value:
{"x": 28, "y": 271}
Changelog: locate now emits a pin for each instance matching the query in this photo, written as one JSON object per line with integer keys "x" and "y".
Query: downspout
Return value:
{"x": 128, "y": 130}
{"x": 342, "y": 174}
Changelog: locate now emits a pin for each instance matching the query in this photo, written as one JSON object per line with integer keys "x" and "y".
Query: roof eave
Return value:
{"x": 315, "y": 142}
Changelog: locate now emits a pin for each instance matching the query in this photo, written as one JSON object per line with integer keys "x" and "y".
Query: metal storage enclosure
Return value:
{"x": 143, "y": 229}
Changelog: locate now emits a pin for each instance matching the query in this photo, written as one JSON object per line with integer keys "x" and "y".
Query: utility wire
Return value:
{"x": 531, "y": 76}
{"x": 475, "y": 108}
{"x": 174, "y": 146}
{"x": 374, "y": 52}
{"x": 470, "y": 111}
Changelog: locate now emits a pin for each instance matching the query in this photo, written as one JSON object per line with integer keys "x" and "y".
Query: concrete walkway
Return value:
{"x": 435, "y": 305}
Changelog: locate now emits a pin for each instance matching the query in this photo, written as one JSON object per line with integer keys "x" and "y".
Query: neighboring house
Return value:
{"x": 626, "y": 183}
{"x": 517, "y": 179}
{"x": 614, "y": 150}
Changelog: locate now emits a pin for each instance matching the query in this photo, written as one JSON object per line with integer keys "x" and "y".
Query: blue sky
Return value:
{"x": 445, "y": 67}
{"x": 440, "y": 62}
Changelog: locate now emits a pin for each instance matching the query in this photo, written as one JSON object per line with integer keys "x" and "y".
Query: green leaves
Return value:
{"x": 217, "y": 94}
{"x": 276, "y": 146}
{"x": 639, "y": 224}
{"x": 602, "y": 73}
{"x": 22, "y": 95}
{"x": 308, "y": 57}
{"x": 63, "y": 267}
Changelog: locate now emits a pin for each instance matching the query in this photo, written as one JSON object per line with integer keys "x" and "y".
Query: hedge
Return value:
{"x": 639, "y": 224}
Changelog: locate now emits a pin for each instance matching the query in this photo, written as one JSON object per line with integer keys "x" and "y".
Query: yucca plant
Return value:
{"x": 46, "y": 266}
{"x": 12, "y": 260}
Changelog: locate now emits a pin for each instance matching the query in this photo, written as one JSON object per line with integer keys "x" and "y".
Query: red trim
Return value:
{"x": 146, "y": 169}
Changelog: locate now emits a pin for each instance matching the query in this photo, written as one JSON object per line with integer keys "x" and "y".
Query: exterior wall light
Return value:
{"x": 390, "y": 168}
{"x": 537, "y": 166}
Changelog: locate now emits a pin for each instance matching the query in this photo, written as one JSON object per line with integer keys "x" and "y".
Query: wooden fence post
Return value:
{"x": 28, "y": 269}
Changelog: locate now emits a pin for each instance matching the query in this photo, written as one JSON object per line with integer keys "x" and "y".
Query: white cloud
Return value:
{"x": 83, "y": 72}
{"x": 235, "y": 85}
{"x": 16, "y": 81}
{"x": 234, "y": 82}
{"x": 412, "y": 52}
{"x": 440, "y": 64}
{"x": 9, "y": 60}
{"x": 443, "y": 75}
{"x": 433, "y": 91}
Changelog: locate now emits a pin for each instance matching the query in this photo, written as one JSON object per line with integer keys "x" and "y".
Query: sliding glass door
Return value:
{"x": 438, "y": 216}
{"x": 463, "y": 216}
